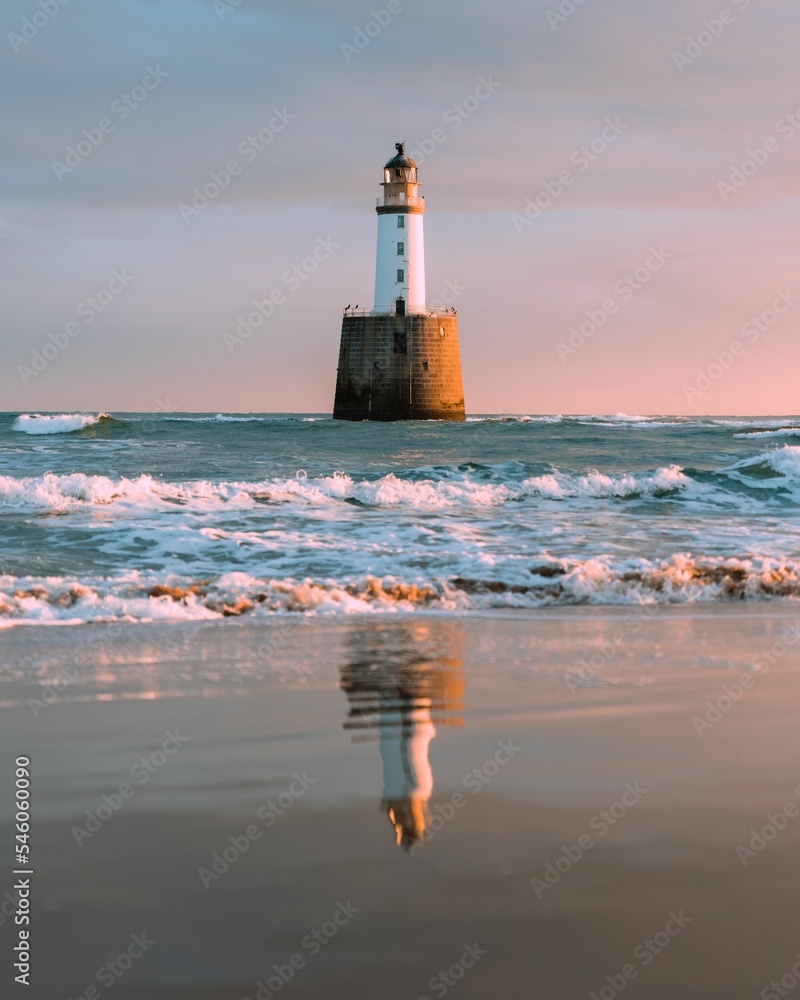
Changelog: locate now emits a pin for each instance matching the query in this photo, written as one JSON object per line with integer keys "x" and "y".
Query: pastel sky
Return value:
{"x": 170, "y": 92}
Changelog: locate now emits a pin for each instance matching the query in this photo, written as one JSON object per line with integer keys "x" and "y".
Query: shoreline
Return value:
{"x": 11, "y": 633}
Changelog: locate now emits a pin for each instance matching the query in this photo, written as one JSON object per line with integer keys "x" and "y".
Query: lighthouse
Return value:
{"x": 400, "y": 360}
{"x": 400, "y": 260}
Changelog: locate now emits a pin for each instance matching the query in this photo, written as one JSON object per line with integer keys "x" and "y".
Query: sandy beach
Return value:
{"x": 597, "y": 801}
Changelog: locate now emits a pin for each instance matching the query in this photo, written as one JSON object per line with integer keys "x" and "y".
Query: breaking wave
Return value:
{"x": 62, "y": 492}
{"x": 226, "y": 418}
{"x": 771, "y": 469}
{"x": 778, "y": 432}
{"x": 596, "y": 484}
{"x": 560, "y": 516}
{"x": 448, "y": 487}
{"x": 551, "y": 582}
{"x": 777, "y": 470}
{"x": 62, "y": 423}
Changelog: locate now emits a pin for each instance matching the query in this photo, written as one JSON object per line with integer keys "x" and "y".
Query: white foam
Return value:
{"x": 516, "y": 418}
{"x": 62, "y": 423}
{"x": 229, "y": 418}
{"x": 596, "y": 484}
{"x": 777, "y": 433}
{"x": 755, "y": 423}
{"x": 61, "y": 492}
{"x": 681, "y": 578}
{"x": 624, "y": 420}
{"x": 786, "y": 461}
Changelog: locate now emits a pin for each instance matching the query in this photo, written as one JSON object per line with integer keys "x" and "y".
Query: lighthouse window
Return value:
{"x": 401, "y": 222}
{"x": 401, "y": 274}
{"x": 401, "y": 249}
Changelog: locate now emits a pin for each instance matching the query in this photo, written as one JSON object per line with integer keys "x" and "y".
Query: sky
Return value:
{"x": 611, "y": 189}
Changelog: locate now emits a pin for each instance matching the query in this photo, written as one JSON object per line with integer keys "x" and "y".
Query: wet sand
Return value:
{"x": 576, "y": 748}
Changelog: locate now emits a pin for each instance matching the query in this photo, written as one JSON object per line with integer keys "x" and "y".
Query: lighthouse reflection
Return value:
{"x": 403, "y": 680}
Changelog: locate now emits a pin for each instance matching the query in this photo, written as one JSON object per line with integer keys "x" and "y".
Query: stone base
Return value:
{"x": 399, "y": 368}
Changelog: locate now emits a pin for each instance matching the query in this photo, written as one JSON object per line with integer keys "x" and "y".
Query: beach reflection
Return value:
{"x": 402, "y": 680}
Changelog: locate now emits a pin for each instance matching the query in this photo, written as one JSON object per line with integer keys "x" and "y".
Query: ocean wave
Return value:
{"x": 626, "y": 421}
{"x": 596, "y": 484}
{"x": 134, "y": 597}
{"x": 765, "y": 468}
{"x": 61, "y": 423}
{"x": 628, "y": 418}
{"x": 786, "y": 461}
{"x": 62, "y": 492}
{"x": 515, "y": 418}
{"x": 778, "y": 432}
{"x": 754, "y": 423}
{"x": 232, "y": 418}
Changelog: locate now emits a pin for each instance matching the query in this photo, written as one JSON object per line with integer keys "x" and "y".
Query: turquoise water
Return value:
{"x": 143, "y": 517}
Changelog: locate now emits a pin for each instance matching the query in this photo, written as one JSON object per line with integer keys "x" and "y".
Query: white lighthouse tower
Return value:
{"x": 400, "y": 261}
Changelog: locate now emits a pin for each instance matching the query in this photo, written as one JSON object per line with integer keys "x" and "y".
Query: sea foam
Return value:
{"x": 135, "y": 596}
{"x": 61, "y": 423}
{"x": 61, "y": 492}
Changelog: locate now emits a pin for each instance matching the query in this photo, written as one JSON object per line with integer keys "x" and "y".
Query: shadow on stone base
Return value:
{"x": 399, "y": 368}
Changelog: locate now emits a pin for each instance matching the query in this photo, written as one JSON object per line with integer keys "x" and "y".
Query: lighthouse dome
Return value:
{"x": 400, "y": 159}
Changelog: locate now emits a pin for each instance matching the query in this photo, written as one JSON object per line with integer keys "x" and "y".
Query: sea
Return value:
{"x": 139, "y": 517}
{"x": 366, "y": 709}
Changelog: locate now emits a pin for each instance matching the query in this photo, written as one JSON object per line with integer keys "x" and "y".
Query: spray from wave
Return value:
{"x": 62, "y": 492}
{"x": 61, "y": 423}
{"x": 219, "y": 418}
{"x": 550, "y": 583}
{"x": 777, "y": 433}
